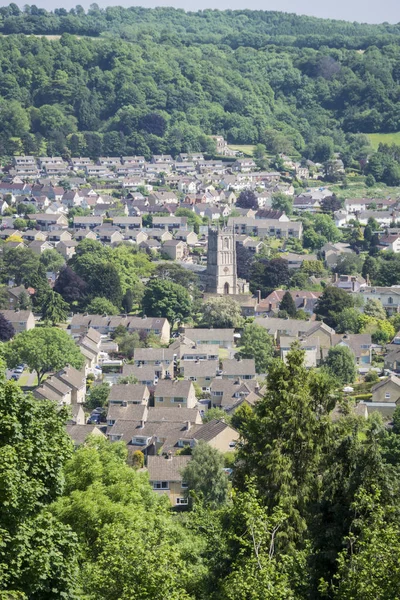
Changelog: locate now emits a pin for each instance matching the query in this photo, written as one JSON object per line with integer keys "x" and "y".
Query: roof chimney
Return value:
{"x": 187, "y": 426}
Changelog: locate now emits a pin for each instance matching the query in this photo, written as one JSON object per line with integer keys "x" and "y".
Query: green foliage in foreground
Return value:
{"x": 313, "y": 512}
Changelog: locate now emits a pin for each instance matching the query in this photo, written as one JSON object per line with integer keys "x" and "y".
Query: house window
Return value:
{"x": 390, "y": 300}
{"x": 232, "y": 444}
{"x": 160, "y": 485}
{"x": 184, "y": 485}
{"x": 181, "y": 501}
{"x": 387, "y": 395}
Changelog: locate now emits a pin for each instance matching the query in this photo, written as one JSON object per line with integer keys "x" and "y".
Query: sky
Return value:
{"x": 365, "y": 11}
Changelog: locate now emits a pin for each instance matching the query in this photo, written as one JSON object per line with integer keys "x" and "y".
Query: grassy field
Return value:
{"x": 385, "y": 138}
{"x": 247, "y": 150}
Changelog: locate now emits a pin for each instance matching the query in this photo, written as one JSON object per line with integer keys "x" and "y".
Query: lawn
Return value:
{"x": 247, "y": 150}
{"x": 385, "y": 138}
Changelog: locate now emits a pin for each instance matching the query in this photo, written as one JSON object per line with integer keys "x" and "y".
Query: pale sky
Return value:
{"x": 365, "y": 11}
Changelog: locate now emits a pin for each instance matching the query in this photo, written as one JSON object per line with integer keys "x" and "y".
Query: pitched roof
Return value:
{"x": 169, "y": 388}
{"x": 210, "y": 430}
{"x": 225, "y": 335}
{"x": 79, "y": 433}
{"x": 166, "y": 469}
{"x": 131, "y": 392}
{"x": 239, "y": 367}
{"x": 393, "y": 378}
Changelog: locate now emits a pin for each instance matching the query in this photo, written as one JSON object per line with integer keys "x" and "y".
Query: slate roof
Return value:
{"x": 131, "y": 392}
{"x": 166, "y": 469}
{"x": 210, "y": 430}
{"x": 79, "y": 433}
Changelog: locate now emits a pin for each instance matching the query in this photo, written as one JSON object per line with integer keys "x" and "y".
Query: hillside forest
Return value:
{"x": 148, "y": 81}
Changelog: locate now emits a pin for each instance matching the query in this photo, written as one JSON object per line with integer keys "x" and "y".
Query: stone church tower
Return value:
{"x": 222, "y": 276}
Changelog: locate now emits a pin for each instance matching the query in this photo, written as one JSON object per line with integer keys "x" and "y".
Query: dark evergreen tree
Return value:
{"x": 287, "y": 304}
{"x": 7, "y": 330}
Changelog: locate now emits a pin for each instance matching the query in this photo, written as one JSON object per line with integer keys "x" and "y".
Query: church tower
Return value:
{"x": 221, "y": 262}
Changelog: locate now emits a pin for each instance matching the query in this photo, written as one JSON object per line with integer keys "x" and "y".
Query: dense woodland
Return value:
{"x": 144, "y": 81}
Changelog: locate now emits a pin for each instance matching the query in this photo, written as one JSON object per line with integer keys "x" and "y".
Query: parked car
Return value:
{"x": 15, "y": 376}
{"x": 19, "y": 369}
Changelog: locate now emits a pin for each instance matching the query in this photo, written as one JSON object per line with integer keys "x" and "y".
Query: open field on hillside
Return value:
{"x": 384, "y": 138}
{"x": 247, "y": 150}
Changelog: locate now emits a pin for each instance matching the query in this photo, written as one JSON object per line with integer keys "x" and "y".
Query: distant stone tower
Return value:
{"x": 221, "y": 263}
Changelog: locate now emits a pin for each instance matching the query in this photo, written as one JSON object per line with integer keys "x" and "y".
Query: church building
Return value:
{"x": 222, "y": 276}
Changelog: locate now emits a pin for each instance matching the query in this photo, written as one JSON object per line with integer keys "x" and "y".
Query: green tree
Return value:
{"x": 258, "y": 344}
{"x": 52, "y": 260}
{"x": 38, "y": 557}
{"x": 205, "y": 476}
{"x": 163, "y": 298}
{"x": 102, "y": 306}
{"x": 97, "y": 396}
{"x": 7, "y": 330}
{"x": 287, "y": 304}
{"x": 374, "y": 308}
{"x": 221, "y": 312}
{"x": 348, "y": 321}
{"x": 215, "y": 413}
{"x": 340, "y": 362}
{"x": 283, "y": 440}
{"x": 54, "y": 309}
{"x": 281, "y": 201}
{"x": 331, "y": 303}
{"x": 43, "y": 350}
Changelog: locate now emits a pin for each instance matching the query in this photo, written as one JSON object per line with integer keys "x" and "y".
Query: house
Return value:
{"x": 243, "y": 368}
{"x": 80, "y": 433}
{"x": 349, "y": 283}
{"x": 295, "y": 261}
{"x": 14, "y": 294}
{"x": 391, "y": 242}
{"x": 89, "y": 345}
{"x": 195, "y": 353}
{"x": 48, "y": 222}
{"x": 67, "y": 249}
{"x": 200, "y": 372}
{"x": 162, "y": 197}
{"x": 156, "y": 357}
{"x": 21, "y": 320}
{"x": 38, "y": 246}
{"x": 331, "y": 252}
{"x": 266, "y": 227}
{"x": 190, "y": 237}
{"x": 67, "y": 386}
{"x": 311, "y": 349}
{"x": 59, "y": 235}
{"x": 165, "y": 476}
{"x": 130, "y": 393}
{"x": 244, "y": 165}
{"x": 392, "y": 360}
{"x": 306, "y": 203}
{"x": 30, "y": 235}
{"x": 153, "y": 430}
{"x": 360, "y": 344}
{"x": 173, "y": 393}
{"x": 148, "y": 375}
{"x": 229, "y": 394}
{"x": 125, "y": 223}
{"x": 221, "y": 338}
{"x": 87, "y": 222}
{"x": 310, "y": 330}
{"x": 76, "y": 380}
{"x": 303, "y": 300}
{"x": 160, "y": 235}
{"x": 218, "y": 434}
{"x": 389, "y": 296}
{"x": 109, "y": 234}
{"x": 106, "y": 325}
{"x": 175, "y": 249}
{"x": 170, "y": 223}
{"x": 385, "y": 396}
